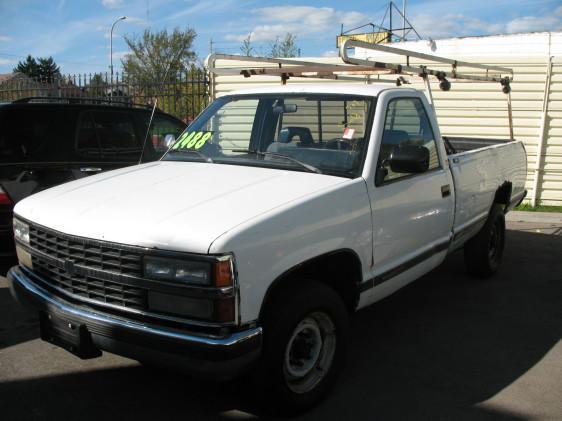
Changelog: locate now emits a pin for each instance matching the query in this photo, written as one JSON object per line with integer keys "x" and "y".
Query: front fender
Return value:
{"x": 270, "y": 245}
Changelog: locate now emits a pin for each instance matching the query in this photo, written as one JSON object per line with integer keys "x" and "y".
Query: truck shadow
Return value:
{"x": 432, "y": 351}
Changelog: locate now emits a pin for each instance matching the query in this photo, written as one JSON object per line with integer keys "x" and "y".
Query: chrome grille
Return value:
{"x": 94, "y": 256}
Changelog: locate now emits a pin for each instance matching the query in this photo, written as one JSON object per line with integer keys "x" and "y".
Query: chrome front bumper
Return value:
{"x": 217, "y": 357}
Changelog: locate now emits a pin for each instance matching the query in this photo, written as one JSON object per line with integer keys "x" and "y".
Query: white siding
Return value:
{"x": 480, "y": 109}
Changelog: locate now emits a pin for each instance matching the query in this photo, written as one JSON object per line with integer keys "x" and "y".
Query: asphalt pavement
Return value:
{"x": 447, "y": 347}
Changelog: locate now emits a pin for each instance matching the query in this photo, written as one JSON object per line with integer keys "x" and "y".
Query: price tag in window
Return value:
{"x": 192, "y": 140}
{"x": 348, "y": 133}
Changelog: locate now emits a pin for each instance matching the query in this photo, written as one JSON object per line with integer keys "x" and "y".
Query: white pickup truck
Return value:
{"x": 277, "y": 214}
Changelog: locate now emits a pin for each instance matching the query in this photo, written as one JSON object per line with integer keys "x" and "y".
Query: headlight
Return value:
{"x": 190, "y": 272}
{"x": 21, "y": 231}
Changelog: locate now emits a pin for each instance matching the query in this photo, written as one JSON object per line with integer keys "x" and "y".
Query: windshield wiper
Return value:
{"x": 192, "y": 151}
{"x": 308, "y": 167}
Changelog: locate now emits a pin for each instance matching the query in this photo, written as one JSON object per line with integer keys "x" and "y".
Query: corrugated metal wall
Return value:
{"x": 480, "y": 109}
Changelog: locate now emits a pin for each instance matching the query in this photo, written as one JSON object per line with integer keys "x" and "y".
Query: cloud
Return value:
{"x": 532, "y": 24}
{"x": 118, "y": 55}
{"x": 331, "y": 53}
{"x": 4, "y": 38}
{"x": 454, "y": 25}
{"x": 300, "y": 20}
{"x": 112, "y": 4}
{"x": 7, "y": 61}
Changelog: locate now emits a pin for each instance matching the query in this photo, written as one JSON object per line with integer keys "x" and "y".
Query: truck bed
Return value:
{"x": 456, "y": 145}
{"x": 479, "y": 166}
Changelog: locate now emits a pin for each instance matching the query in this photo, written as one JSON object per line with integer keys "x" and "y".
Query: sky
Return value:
{"x": 76, "y": 32}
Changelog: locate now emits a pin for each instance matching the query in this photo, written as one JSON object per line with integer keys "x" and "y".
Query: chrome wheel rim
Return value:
{"x": 310, "y": 352}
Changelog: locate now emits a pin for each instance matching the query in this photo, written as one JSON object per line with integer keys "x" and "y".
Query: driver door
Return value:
{"x": 412, "y": 212}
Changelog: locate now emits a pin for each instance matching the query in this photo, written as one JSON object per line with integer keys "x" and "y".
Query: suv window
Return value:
{"x": 163, "y": 132}
{"x": 108, "y": 134}
{"x": 25, "y": 134}
{"x": 406, "y": 122}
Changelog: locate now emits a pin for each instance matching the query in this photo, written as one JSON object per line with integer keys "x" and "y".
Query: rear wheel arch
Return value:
{"x": 340, "y": 269}
{"x": 503, "y": 194}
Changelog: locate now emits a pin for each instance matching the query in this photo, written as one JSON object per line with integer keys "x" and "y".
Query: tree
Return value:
{"x": 153, "y": 53}
{"x": 246, "y": 48}
{"x": 97, "y": 85}
{"x": 28, "y": 67}
{"x": 287, "y": 47}
{"x": 42, "y": 69}
{"x": 47, "y": 69}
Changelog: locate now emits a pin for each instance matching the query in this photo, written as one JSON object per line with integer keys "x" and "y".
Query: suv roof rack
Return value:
{"x": 80, "y": 100}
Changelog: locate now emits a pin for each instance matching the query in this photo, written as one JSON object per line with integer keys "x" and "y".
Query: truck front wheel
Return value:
{"x": 483, "y": 253}
{"x": 305, "y": 335}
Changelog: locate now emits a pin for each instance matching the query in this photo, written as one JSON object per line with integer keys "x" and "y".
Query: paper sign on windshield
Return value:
{"x": 192, "y": 140}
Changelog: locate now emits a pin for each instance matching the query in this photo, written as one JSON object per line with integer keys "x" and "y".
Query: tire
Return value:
{"x": 305, "y": 337}
{"x": 484, "y": 252}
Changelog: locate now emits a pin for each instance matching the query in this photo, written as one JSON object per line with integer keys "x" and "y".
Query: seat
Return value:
{"x": 287, "y": 135}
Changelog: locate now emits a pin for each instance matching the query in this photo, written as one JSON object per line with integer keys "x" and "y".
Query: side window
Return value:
{"x": 87, "y": 141}
{"x": 115, "y": 131}
{"x": 108, "y": 134}
{"x": 163, "y": 132}
{"x": 406, "y": 123}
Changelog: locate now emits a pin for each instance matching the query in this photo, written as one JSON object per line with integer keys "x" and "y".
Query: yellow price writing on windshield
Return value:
{"x": 192, "y": 140}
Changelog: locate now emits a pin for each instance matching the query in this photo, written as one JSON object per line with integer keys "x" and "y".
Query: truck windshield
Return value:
{"x": 307, "y": 132}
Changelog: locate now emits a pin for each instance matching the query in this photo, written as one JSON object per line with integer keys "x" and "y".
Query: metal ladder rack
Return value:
{"x": 353, "y": 67}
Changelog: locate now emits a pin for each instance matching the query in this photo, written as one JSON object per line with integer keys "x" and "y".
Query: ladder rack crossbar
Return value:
{"x": 351, "y": 43}
{"x": 375, "y": 68}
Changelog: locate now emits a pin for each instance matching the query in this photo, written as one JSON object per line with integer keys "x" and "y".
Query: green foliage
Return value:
{"x": 153, "y": 53}
{"x": 539, "y": 208}
{"x": 246, "y": 48}
{"x": 28, "y": 67}
{"x": 286, "y": 47}
{"x": 48, "y": 69}
{"x": 41, "y": 69}
{"x": 97, "y": 85}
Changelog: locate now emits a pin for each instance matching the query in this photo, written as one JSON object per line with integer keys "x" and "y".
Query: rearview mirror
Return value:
{"x": 285, "y": 108}
{"x": 409, "y": 159}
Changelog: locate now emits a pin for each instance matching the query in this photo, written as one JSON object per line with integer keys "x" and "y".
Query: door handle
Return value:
{"x": 445, "y": 190}
{"x": 90, "y": 169}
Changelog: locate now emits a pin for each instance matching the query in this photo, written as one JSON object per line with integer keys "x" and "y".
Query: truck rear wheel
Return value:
{"x": 483, "y": 253}
{"x": 305, "y": 335}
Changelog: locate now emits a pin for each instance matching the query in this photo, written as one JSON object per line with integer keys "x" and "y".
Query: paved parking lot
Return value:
{"x": 446, "y": 347}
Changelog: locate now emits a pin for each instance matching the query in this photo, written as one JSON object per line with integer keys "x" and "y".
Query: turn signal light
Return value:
{"x": 223, "y": 273}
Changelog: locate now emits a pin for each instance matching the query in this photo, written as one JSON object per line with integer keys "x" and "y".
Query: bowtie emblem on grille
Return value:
{"x": 69, "y": 266}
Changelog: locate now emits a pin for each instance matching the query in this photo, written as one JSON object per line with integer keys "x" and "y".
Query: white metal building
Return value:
{"x": 480, "y": 109}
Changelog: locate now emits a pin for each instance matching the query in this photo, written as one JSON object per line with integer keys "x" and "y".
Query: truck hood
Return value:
{"x": 180, "y": 206}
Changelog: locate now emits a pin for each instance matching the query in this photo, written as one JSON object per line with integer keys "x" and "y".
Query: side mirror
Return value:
{"x": 409, "y": 159}
{"x": 169, "y": 139}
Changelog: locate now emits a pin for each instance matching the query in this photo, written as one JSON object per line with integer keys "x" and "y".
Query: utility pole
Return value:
{"x": 390, "y": 19}
{"x": 210, "y": 45}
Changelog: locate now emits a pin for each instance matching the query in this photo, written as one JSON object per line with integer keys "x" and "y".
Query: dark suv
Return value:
{"x": 45, "y": 142}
